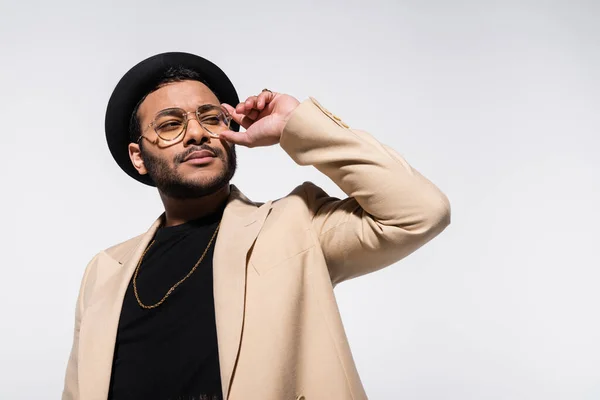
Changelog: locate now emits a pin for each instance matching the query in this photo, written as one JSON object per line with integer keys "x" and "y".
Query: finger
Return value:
{"x": 228, "y": 108}
{"x": 268, "y": 96}
{"x": 253, "y": 114}
{"x": 235, "y": 115}
{"x": 261, "y": 101}
{"x": 240, "y": 138}
{"x": 246, "y": 122}
{"x": 241, "y": 108}
{"x": 250, "y": 103}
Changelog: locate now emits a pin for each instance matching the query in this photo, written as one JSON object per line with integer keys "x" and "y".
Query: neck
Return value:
{"x": 179, "y": 211}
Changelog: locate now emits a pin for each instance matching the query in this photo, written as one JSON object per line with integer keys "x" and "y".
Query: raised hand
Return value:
{"x": 263, "y": 116}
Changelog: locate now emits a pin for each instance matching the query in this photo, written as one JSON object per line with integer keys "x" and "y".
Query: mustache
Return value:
{"x": 182, "y": 156}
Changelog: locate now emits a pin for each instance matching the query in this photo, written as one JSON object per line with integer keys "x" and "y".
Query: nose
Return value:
{"x": 195, "y": 133}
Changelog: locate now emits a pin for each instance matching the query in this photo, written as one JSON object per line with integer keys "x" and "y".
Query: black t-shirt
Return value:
{"x": 170, "y": 352}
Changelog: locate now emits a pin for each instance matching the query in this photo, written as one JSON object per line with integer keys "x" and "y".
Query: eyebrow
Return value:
{"x": 177, "y": 110}
{"x": 207, "y": 107}
{"x": 169, "y": 112}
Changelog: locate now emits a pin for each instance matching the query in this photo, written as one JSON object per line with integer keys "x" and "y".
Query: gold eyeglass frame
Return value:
{"x": 197, "y": 113}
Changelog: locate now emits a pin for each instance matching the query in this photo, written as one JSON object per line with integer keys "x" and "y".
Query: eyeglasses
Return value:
{"x": 170, "y": 123}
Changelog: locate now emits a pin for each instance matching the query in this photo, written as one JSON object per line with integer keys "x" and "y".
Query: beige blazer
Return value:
{"x": 279, "y": 331}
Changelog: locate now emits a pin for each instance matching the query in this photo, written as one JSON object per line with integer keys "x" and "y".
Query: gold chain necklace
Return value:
{"x": 137, "y": 270}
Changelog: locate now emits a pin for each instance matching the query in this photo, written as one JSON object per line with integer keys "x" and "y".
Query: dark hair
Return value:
{"x": 172, "y": 74}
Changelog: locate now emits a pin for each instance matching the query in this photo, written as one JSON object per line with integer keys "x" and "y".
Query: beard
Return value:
{"x": 172, "y": 184}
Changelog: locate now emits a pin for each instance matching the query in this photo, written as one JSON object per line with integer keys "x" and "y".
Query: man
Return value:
{"x": 223, "y": 297}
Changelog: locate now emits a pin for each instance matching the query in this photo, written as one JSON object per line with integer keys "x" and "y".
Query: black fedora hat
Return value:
{"x": 138, "y": 82}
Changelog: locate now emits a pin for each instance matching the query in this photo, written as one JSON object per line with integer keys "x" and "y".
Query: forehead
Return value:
{"x": 186, "y": 94}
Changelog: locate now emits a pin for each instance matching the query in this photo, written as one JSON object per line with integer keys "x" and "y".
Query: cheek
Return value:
{"x": 162, "y": 159}
{"x": 223, "y": 145}
{"x": 228, "y": 149}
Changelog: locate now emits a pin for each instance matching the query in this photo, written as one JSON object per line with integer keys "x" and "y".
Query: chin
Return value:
{"x": 203, "y": 175}
{"x": 205, "y": 180}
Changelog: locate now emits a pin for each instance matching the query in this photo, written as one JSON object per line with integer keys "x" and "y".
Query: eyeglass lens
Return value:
{"x": 170, "y": 123}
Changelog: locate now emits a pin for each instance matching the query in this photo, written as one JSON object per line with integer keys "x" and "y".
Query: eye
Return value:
{"x": 168, "y": 125}
{"x": 212, "y": 120}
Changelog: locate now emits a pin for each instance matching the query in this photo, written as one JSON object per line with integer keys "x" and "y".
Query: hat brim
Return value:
{"x": 138, "y": 82}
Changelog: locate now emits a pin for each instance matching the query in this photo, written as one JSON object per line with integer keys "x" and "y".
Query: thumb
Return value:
{"x": 240, "y": 138}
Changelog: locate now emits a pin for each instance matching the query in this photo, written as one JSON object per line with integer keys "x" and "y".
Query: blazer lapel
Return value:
{"x": 101, "y": 318}
{"x": 241, "y": 223}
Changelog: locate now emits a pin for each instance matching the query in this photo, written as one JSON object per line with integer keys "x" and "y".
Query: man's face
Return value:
{"x": 165, "y": 162}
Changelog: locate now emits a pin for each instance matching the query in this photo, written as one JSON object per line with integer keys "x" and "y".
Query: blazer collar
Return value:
{"x": 241, "y": 223}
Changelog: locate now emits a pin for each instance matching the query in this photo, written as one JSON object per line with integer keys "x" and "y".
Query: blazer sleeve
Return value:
{"x": 71, "y": 386}
{"x": 391, "y": 209}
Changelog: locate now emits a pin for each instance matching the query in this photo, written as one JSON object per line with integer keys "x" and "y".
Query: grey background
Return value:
{"x": 497, "y": 102}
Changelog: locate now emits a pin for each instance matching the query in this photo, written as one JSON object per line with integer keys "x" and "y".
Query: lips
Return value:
{"x": 199, "y": 154}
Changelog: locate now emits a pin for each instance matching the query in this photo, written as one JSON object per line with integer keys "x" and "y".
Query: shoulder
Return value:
{"x": 307, "y": 191}
{"x": 295, "y": 199}
{"x": 306, "y": 197}
{"x": 118, "y": 252}
{"x": 298, "y": 206}
{"x": 105, "y": 263}
{"x": 121, "y": 251}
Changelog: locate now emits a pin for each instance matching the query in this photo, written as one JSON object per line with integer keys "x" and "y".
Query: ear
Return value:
{"x": 135, "y": 155}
